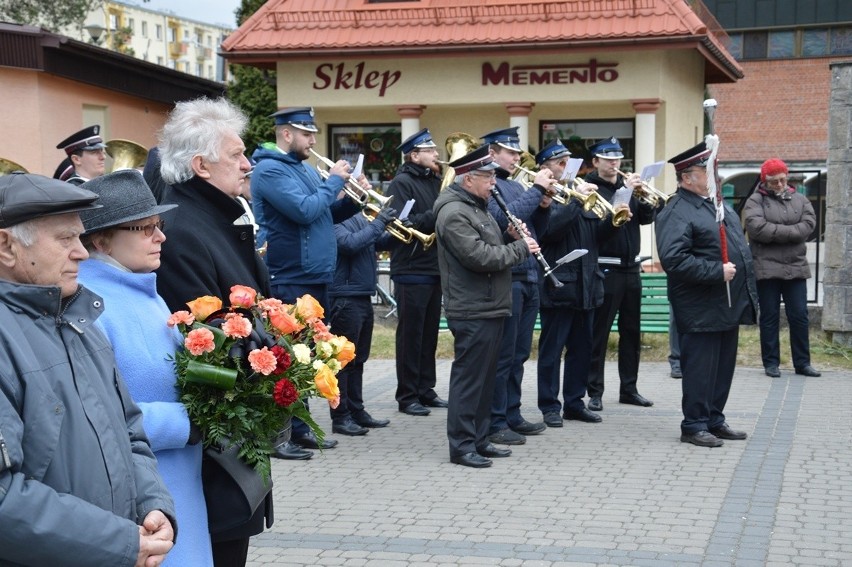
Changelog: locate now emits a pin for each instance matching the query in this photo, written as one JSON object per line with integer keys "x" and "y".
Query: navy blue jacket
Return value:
{"x": 357, "y": 241}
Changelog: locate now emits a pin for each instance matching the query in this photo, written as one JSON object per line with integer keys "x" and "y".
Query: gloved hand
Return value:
{"x": 195, "y": 435}
{"x": 387, "y": 215}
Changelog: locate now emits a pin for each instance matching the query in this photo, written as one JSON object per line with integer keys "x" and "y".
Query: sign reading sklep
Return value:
{"x": 339, "y": 77}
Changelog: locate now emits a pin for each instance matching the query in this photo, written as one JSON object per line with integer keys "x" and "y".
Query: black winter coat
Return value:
{"x": 416, "y": 182}
{"x": 688, "y": 243}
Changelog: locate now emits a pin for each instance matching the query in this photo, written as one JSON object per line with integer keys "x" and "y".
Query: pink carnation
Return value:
{"x": 181, "y": 318}
{"x": 270, "y": 304}
{"x": 262, "y": 361}
{"x": 236, "y": 325}
{"x": 199, "y": 341}
{"x": 321, "y": 332}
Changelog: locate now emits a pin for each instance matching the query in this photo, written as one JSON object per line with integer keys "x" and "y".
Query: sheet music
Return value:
{"x": 406, "y": 209}
{"x": 356, "y": 173}
{"x": 651, "y": 171}
{"x": 571, "y": 256}
{"x": 571, "y": 169}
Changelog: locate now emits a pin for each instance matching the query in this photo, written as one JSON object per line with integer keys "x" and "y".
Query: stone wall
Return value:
{"x": 837, "y": 282}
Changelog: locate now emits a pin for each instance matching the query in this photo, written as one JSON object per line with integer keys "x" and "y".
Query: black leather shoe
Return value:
{"x": 309, "y": 441}
{"x": 507, "y": 437}
{"x": 474, "y": 460}
{"x": 595, "y": 404}
{"x": 553, "y": 419}
{"x": 435, "y": 402}
{"x": 527, "y": 428}
{"x": 773, "y": 372}
{"x": 676, "y": 373}
{"x": 493, "y": 452}
{"x": 348, "y": 427}
{"x": 291, "y": 452}
{"x": 364, "y": 419}
{"x": 702, "y": 439}
{"x": 415, "y": 408}
{"x": 581, "y": 415}
{"x": 635, "y": 400}
{"x": 808, "y": 371}
{"x": 724, "y": 431}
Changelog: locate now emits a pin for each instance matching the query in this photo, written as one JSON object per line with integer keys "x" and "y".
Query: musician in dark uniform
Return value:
{"x": 567, "y": 312}
{"x": 689, "y": 244}
{"x": 417, "y": 282}
{"x": 619, "y": 261}
{"x": 85, "y": 156}
{"x": 532, "y": 207}
{"x": 475, "y": 260}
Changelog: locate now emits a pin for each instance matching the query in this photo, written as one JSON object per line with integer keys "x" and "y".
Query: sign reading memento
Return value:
{"x": 557, "y": 74}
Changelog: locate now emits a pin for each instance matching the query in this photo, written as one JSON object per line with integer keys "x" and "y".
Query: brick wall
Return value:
{"x": 779, "y": 109}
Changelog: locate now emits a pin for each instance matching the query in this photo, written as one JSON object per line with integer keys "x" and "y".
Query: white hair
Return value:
{"x": 25, "y": 232}
{"x": 196, "y": 128}
{"x": 459, "y": 179}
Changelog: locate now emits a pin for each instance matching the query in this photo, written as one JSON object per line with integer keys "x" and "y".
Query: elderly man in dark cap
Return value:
{"x": 86, "y": 156}
{"x": 475, "y": 260}
{"x": 712, "y": 294}
{"x": 72, "y": 446}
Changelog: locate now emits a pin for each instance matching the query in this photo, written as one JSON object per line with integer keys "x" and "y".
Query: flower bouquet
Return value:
{"x": 246, "y": 369}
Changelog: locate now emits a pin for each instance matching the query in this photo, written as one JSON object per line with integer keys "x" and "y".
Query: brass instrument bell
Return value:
{"x": 126, "y": 154}
{"x": 8, "y": 166}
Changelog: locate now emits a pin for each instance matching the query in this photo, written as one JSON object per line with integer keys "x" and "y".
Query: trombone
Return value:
{"x": 647, "y": 193}
{"x": 354, "y": 191}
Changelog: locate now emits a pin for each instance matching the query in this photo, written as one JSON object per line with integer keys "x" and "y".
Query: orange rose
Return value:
{"x": 346, "y": 353}
{"x": 202, "y": 307}
{"x": 242, "y": 296}
{"x": 326, "y": 383}
{"x": 308, "y": 308}
{"x": 285, "y": 322}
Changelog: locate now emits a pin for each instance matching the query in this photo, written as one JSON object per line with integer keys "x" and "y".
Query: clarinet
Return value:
{"x": 519, "y": 228}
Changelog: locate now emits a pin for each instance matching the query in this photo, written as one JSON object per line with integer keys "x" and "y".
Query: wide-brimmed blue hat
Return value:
{"x": 609, "y": 148}
{"x": 422, "y": 139}
{"x": 553, "y": 150}
{"x": 301, "y": 117}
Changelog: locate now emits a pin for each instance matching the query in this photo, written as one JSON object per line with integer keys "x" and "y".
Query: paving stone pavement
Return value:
{"x": 621, "y": 492}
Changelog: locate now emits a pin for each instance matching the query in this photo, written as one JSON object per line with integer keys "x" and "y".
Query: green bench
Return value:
{"x": 654, "y": 311}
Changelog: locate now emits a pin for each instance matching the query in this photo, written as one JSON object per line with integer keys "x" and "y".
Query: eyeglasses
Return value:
{"x": 148, "y": 229}
{"x": 491, "y": 175}
{"x": 777, "y": 181}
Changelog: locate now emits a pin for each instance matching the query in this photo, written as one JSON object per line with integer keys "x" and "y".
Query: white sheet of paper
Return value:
{"x": 621, "y": 197}
{"x": 571, "y": 169}
{"x": 359, "y": 165}
{"x": 406, "y": 209}
{"x": 651, "y": 171}
{"x": 570, "y": 256}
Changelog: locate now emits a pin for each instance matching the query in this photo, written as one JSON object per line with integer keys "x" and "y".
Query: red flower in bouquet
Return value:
{"x": 245, "y": 370}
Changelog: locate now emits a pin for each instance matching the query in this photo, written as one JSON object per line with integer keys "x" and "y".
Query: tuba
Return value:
{"x": 126, "y": 154}
{"x": 7, "y": 166}
{"x": 458, "y": 144}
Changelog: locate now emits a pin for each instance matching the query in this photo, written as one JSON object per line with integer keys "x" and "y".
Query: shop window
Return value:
{"x": 579, "y": 135}
{"x": 378, "y": 143}
{"x": 814, "y": 43}
{"x": 841, "y": 41}
{"x": 754, "y": 45}
{"x": 781, "y": 44}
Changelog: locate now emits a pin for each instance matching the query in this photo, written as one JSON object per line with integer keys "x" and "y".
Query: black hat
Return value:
{"x": 505, "y": 138}
{"x": 422, "y": 139}
{"x": 695, "y": 156}
{"x": 125, "y": 197}
{"x": 26, "y": 196}
{"x": 478, "y": 160}
{"x": 610, "y": 148}
{"x": 553, "y": 150}
{"x": 301, "y": 117}
{"x": 87, "y": 139}
{"x": 64, "y": 169}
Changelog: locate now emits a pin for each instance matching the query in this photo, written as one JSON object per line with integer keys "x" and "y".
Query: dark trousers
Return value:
{"x": 514, "y": 352}
{"x": 476, "y": 346}
{"x": 570, "y": 330}
{"x": 794, "y": 293}
{"x": 419, "y": 310}
{"x": 352, "y": 317}
{"x": 622, "y": 296}
{"x": 230, "y": 553}
{"x": 707, "y": 361}
{"x": 674, "y": 343}
{"x": 289, "y": 293}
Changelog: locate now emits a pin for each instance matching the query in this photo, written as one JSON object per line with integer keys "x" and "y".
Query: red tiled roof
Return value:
{"x": 283, "y": 28}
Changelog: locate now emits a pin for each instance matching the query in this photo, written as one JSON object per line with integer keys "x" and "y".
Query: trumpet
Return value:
{"x": 362, "y": 196}
{"x": 563, "y": 193}
{"x": 647, "y": 193}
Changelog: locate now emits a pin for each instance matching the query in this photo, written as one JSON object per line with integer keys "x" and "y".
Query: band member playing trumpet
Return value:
{"x": 86, "y": 156}
{"x": 532, "y": 207}
{"x": 417, "y": 281}
{"x": 619, "y": 262}
{"x": 567, "y": 312}
{"x": 296, "y": 210}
